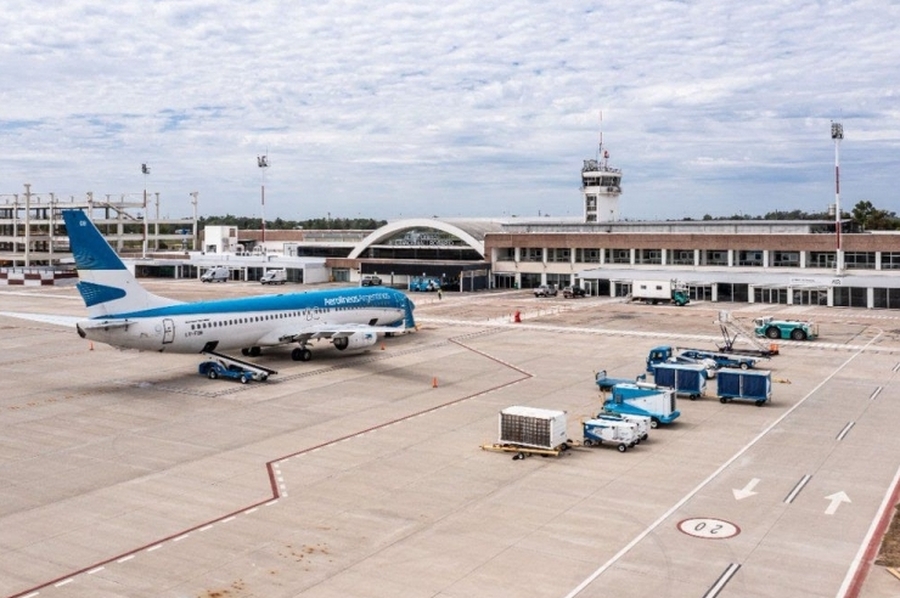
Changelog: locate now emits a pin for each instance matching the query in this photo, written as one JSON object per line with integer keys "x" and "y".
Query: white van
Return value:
{"x": 216, "y": 274}
{"x": 274, "y": 277}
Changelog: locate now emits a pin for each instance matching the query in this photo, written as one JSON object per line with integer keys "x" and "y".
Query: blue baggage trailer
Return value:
{"x": 685, "y": 378}
{"x": 745, "y": 385}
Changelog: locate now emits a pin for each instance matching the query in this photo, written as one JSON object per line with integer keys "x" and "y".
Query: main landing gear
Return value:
{"x": 250, "y": 352}
{"x": 301, "y": 354}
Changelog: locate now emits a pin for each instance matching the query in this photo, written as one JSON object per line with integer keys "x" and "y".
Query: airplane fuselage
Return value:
{"x": 246, "y": 322}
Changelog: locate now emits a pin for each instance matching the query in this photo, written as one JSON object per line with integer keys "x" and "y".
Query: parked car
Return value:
{"x": 370, "y": 280}
{"x": 545, "y": 290}
{"x": 571, "y": 292}
{"x": 215, "y": 369}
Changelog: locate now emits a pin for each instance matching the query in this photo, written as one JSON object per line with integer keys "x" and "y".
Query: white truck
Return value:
{"x": 274, "y": 277}
{"x": 622, "y": 434}
{"x": 215, "y": 274}
{"x": 642, "y": 422}
{"x": 660, "y": 291}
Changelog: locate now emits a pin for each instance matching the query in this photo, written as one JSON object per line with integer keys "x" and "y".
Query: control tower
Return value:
{"x": 600, "y": 188}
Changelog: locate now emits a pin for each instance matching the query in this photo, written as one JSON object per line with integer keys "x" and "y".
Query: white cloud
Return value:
{"x": 463, "y": 108}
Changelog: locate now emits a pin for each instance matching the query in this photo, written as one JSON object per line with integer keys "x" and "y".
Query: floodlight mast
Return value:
{"x": 837, "y": 134}
{"x": 263, "y": 163}
{"x": 145, "y": 170}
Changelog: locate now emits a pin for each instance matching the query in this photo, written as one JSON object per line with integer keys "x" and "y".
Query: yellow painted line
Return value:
{"x": 893, "y": 571}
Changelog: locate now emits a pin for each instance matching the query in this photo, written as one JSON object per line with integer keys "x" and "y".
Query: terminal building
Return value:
{"x": 753, "y": 261}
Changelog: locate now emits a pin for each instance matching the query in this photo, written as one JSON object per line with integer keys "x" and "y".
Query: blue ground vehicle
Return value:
{"x": 685, "y": 378}
{"x": 723, "y": 360}
{"x": 215, "y": 369}
{"x": 643, "y": 399}
{"x": 606, "y": 383}
{"x": 744, "y": 385}
{"x": 425, "y": 284}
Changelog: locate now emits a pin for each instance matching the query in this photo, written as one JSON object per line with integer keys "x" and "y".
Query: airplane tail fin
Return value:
{"x": 105, "y": 284}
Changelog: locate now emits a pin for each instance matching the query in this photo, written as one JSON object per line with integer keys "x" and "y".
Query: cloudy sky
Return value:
{"x": 452, "y": 108}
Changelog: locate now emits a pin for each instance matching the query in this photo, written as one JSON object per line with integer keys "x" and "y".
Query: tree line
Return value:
{"x": 863, "y": 214}
{"x": 248, "y": 223}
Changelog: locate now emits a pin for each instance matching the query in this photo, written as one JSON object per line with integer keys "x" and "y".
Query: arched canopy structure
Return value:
{"x": 429, "y": 232}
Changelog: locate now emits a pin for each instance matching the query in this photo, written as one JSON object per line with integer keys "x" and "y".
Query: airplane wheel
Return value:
{"x": 245, "y": 352}
{"x": 254, "y": 351}
{"x": 301, "y": 354}
{"x": 212, "y": 375}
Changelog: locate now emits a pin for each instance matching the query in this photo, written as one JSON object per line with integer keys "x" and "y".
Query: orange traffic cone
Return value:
{"x": 92, "y": 346}
{"x": 434, "y": 382}
{"x": 382, "y": 346}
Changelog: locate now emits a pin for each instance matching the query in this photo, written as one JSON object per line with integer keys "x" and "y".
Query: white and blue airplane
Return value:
{"x": 124, "y": 314}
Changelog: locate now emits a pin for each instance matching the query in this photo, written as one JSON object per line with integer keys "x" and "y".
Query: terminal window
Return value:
{"x": 750, "y": 258}
{"x": 682, "y": 257}
{"x": 821, "y": 259}
{"x": 890, "y": 261}
{"x": 786, "y": 259}
{"x": 532, "y": 254}
{"x": 860, "y": 260}
{"x": 716, "y": 257}
{"x": 618, "y": 256}
{"x": 649, "y": 256}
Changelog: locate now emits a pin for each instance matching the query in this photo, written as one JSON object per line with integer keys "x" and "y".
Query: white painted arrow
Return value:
{"x": 836, "y": 499}
{"x": 746, "y": 491}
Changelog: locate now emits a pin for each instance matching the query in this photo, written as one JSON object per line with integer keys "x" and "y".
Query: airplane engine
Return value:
{"x": 357, "y": 340}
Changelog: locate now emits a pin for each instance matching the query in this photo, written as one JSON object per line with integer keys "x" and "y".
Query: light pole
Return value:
{"x": 837, "y": 134}
{"x": 146, "y": 171}
{"x": 194, "y": 200}
{"x": 263, "y": 163}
